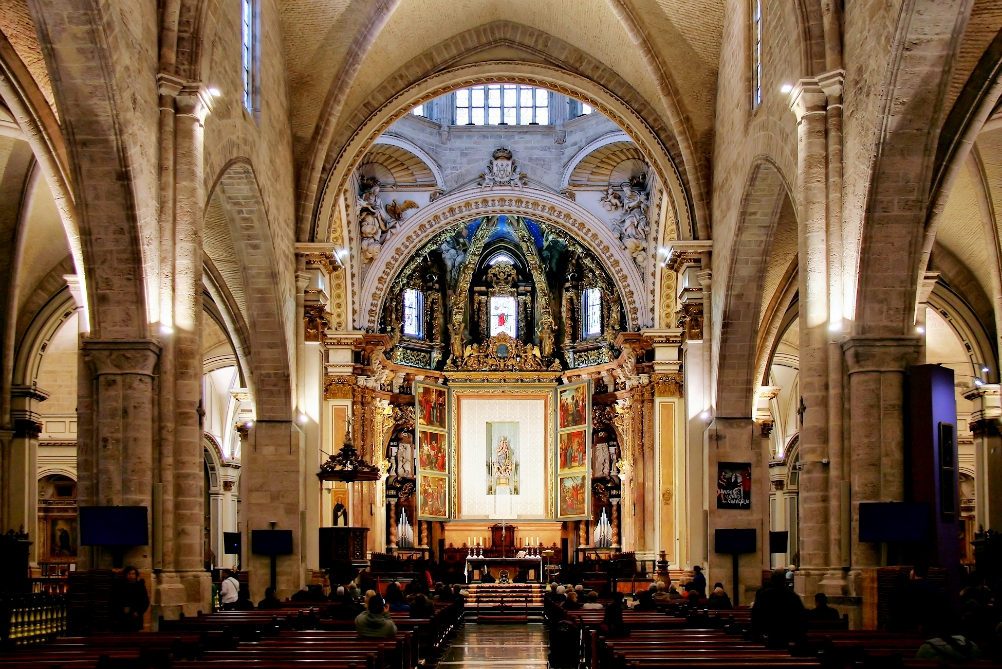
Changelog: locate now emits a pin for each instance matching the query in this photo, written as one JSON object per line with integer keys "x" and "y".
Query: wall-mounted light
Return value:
{"x": 919, "y": 329}
{"x": 978, "y": 382}
{"x": 786, "y": 88}
{"x": 166, "y": 330}
{"x": 706, "y": 415}
{"x": 303, "y": 418}
{"x": 215, "y": 92}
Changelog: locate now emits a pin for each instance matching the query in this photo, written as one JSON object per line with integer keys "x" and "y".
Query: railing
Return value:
{"x": 31, "y": 618}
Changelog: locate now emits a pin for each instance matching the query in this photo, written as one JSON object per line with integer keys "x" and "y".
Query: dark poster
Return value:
{"x": 734, "y": 485}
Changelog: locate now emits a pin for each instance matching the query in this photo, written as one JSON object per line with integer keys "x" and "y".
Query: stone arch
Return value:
{"x": 419, "y": 153}
{"x": 416, "y": 230}
{"x": 764, "y": 196}
{"x": 437, "y": 72}
{"x": 588, "y": 149}
{"x": 212, "y": 455}
{"x": 781, "y": 313}
{"x": 269, "y": 360}
{"x": 111, "y": 169}
{"x": 968, "y": 328}
{"x": 43, "y": 327}
{"x": 899, "y": 226}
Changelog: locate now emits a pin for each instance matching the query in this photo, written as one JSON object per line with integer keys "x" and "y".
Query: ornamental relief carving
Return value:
{"x": 466, "y": 205}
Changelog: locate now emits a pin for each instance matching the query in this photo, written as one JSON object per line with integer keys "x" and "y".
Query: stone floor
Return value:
{"x": 497, "y": 645}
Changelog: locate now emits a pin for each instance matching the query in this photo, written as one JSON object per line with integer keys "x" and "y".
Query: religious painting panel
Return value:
{"x": 62, "y": 538}
{"x": 734, "y": 485}
{"x": 573, "y": 405}
{"x": 431, "y": 406}
{"x": 502, "y": 458}
{"x": 433, "y": 497}
{"x": 572, "y": 497}
{"x": 434, "y": 453}
{"x": 572, "y": 451}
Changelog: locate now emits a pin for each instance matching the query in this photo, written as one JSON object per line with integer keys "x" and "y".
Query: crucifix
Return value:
{"x": 502, "y": 539}
{"x": 801, "y": 410}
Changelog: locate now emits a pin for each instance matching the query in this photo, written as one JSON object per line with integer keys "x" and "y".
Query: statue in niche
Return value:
{"x": 502, "y": 170}
{"x": 611, "y": 200}
{"x": 374, "y": 224}
{"x": 454, "y": 251}
{"x": 405, "y": 457}
{"x": 633, "y": 223}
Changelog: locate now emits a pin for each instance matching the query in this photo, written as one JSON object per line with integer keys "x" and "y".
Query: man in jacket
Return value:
{"x": 375, "y": 621}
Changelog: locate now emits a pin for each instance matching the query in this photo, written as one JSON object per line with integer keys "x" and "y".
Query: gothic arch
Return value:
{"x": 336, "y": 151}
{"x": 764, "y": 196}
{"x": 269, "y": 359}
{"x": 541, "y": 205}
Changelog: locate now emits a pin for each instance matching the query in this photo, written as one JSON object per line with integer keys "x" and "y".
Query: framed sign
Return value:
{"x": 573, "y": 453}
{"x": 734, "y": 485}
{"x": 431, "y": 412}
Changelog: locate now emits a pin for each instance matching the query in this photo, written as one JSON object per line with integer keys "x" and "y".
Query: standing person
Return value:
{"x": 699, "y": 581}
{"x": 229, "y": 591}
{"x": 131, "y": 601}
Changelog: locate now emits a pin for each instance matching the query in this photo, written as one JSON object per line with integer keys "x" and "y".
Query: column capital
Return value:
{"x": 832, "y": 83}
{"x": 880, "y": 354}
{"x": 806, "y": 98}
{"x": 926, "y": 286}
{"x": 679, "y": 254}
{"x": 168, "y": 86}
{"x": 121, "y": 356}
{"x": 193, "y": 100}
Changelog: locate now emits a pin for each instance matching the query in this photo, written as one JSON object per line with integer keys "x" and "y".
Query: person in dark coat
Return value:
{"x": 645, "y": 600}
{"x": 131, "y": 601}
{"x": 719, "y": 600}
{"x": 821, "y": 610}
{"x": 778, "y": 613}
{"x": 343, "y": 607}
{"x": 422, "y": 607}
{"x": 699, "y": 581}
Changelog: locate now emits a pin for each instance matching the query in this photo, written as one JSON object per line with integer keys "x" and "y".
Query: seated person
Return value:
{"x": 343, "y": 607}
{"x": 661, "y": 594}
{"x": 270, "y": 601}
{"x": 375, "y": 621}
{"x": 571, "y": 603}
{"x": 560, "y": 597}
{"x": 612, "y": 622}
{"x": 301, "y": 596}
{"x": 592, "y": 602}
{"x": 645, "y": 600}
{"x": 395, "y": 599}
{"x": 821, "y": 610}
{"x": 244, "y": 603}
{"x": 673, "y": 594}
{"x": 719, "y": 599}
{"x": 422, "y": 607}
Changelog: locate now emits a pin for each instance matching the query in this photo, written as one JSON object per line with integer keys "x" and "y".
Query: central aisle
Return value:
{"x": 493, "y": 645}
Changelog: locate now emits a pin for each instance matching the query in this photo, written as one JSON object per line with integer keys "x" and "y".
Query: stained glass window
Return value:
{"x": 413, "y": 313}
{"x": 504, "y": 317}
{"x": 592, "y": 303}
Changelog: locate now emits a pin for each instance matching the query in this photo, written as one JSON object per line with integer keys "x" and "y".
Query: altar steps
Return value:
{"x": 509, "y": 603}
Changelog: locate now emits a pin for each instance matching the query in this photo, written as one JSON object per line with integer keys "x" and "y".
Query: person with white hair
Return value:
{"x": 560, "y": 597}
{"x": 343, "y": 606}
{"x": 645, "y": 600}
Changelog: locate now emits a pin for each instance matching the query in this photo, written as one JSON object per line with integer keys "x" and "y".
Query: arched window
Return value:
{"x": 504, "y": 315}
{"x": 414, "y": 313}
{"x": 418, "y": 111}
{"x": 591, "y": 308}
{"x": 756, "y": 53}
{"x": 248, "y": 35}
{"x": 502, "y": 104}
{"x": 501, "y": 257}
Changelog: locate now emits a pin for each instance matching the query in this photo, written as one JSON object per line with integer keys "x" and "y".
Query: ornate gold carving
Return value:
{"x": 316, "y": 321}
{"x": 669, "y": 281}
{"x": 502, "y": 353}
{"x": 667, "y": 385}
{"x": 766, "y": 427}
{"x": 338, "y": 387}
{"x": 502, "y": 278}
{"x": 403, "y": 416}
{"x": 690, "y": 319}
{"x": 412, "y": 358}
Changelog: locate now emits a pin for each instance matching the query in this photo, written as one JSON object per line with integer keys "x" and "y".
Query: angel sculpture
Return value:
{"x": 611, "y": 200}
{"x": 374, "y": 223}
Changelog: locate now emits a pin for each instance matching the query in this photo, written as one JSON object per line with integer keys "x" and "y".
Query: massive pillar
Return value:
{"x": 115, "y": 435}
{"x": 23, "y": 471}
{"x": 876, "y": 369}
{"x": 985, "y": 424}
{"x": 808, "y": 102}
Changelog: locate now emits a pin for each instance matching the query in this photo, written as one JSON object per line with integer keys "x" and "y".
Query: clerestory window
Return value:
{"x": 502, "y": 104}
{"x": 414, "y": 313}
{"x": 248, "y": 38}
{"x": 756, "y": 53}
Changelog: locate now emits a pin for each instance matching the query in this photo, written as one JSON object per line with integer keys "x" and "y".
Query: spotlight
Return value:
{"x": 249, "y": 424}
{"x": 786, "y": 88}
{"x": 985, "y": 369}
{"x": 303, "y": 418}
{"x": 978, "y": 382}
{"x": 215, "y": 92}
{"x": 835, "y": 327}
{"x": 166, "y": 329}
{"x": 919, "y": 329}
{"x": 706, "y": 415}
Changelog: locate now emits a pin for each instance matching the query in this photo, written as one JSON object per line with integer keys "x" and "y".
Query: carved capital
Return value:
{"x": 316, "y": 321}
{"x": 193, "y": 100}
{"x": 880, "y": 354}
{"x": 832, "y": 83}
{"x": 667, "y": 385}
{"x": 338, "y": 387}
{"x": 121, "y": 356}
{"x": 807, "y": 98}
{"x": 690, "y": 320}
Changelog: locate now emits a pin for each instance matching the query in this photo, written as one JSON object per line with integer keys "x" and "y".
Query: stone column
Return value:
{"x": 115, "y": 456}
{"x": 985, "y": 422}
{"x": 808, "y": 102}
{"x": 876, "y": 369}
{"x": 614, "y": 521}
{"x": 184, "y": 567}
{"x": 23, "y": 463}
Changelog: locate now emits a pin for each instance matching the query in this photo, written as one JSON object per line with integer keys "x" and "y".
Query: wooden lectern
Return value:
{"x": 342, "y": 544}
